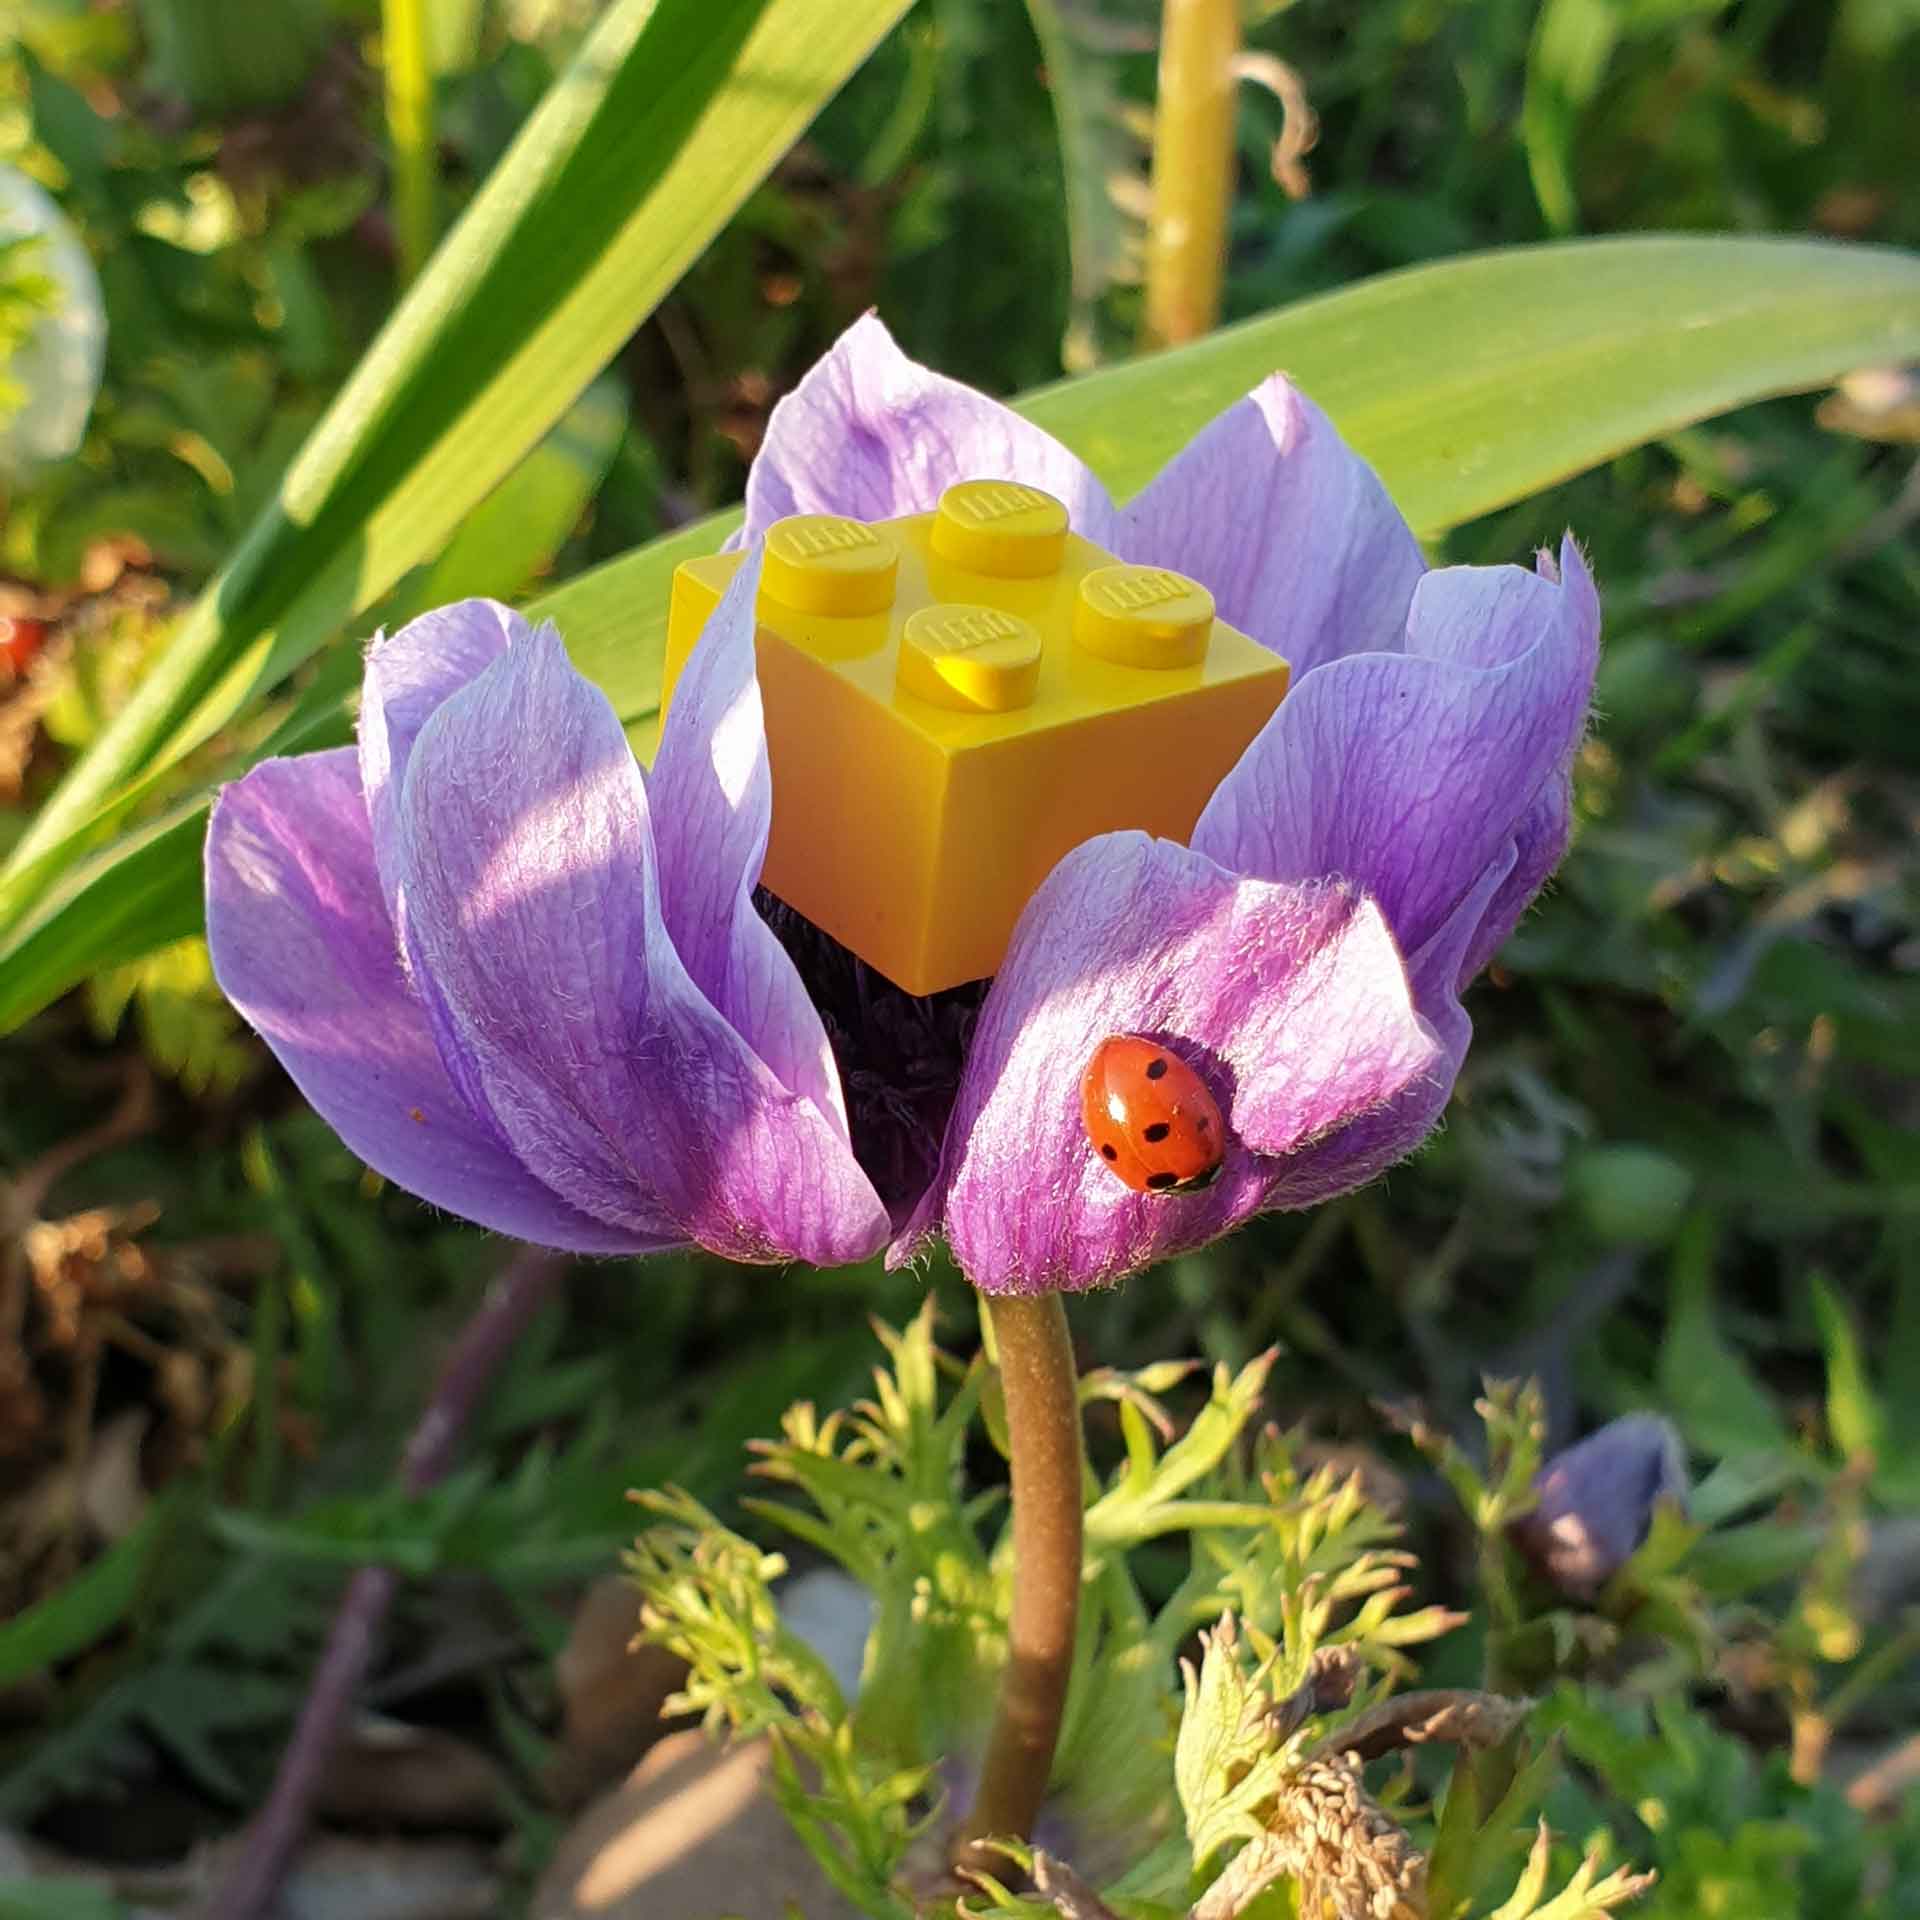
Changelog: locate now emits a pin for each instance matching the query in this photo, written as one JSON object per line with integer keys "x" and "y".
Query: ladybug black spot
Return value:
{"x": 1156, "y": 1069}
{"x": 1108, "y": 1153}
{"x": 1201, "y": 1121}
{"x": 1158, "y": 1131}
{"x": 1160, "y": 1182}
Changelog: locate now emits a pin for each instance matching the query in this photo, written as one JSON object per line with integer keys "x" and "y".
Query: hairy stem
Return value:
{"x": 1192, "y": 169}
{"x": 1043, "y": 1432}
{"x": 484, "y": 1343}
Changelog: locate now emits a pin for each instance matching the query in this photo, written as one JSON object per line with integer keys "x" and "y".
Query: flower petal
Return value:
{"x": 712, "y": 804}
{"x": 303, "y": 948}
{"x": 1290, "y": 529}
{"x": 1367, "y": 1146}
{"x": 1539, "y": 845}
{"x": 1409, "y": 773}
{"x": 873, "y": 434}
{"x": 531, "y": 897}
{"x": 408, "y": 674}
{"x": 1290, "y": 1001}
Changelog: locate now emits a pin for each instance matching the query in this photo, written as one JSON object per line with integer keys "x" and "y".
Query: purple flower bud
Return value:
{"x": 1596, "y": 1501}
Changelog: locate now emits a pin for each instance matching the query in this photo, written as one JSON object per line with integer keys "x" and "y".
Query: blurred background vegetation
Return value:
{"x": 1682, "y": 1171}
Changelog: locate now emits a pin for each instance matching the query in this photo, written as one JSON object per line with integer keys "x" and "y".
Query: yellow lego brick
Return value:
{"x": 956, "y": 699}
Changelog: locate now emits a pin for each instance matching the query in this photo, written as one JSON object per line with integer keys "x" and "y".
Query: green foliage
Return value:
{"x": 1100, "y": 150}
{"x": 524, "y": 303}
{"x": 189, "y": 1685}
{"x": 196, "y": 1632}
{"x": 1228, "y": 1763}
{"x": 1677, "y": 1173}
{"x": 1298, "y": 1557}
{"x": 708, "y": 1597}
{"x": 225, "y": 55}
{"x": 82, "y": 1612}
{"x": 1718, "y": 1403}
{"x": 1630, "y": 1196}
{"x": 1730, "y": 1834}
{"x": 1587, "y": 1896}
{"x": 64, "y": 1900}
{"x": 186, "y": 1028}
{"x": 1480, "y": 1826}
{"x": 26, "y": 295}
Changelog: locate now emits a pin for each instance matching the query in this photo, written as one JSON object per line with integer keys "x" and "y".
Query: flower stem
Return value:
{"x": 476, "y": 1356}
{"x": 410, "y": 132}
{"x": 1043, "y": 1434}
{"x": 1193, "y": 120}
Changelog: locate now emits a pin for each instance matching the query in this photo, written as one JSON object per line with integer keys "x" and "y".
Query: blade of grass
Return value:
{"x": 78, "y": 1614}
{"x": 671, "y": 114}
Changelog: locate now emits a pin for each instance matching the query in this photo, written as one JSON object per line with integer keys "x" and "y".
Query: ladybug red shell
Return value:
{"x": 1150, "y": 1117}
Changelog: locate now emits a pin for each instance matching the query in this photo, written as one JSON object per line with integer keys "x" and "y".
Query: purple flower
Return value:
{"x": 537, "y": 988}
{"x": 1595, "y": 1501}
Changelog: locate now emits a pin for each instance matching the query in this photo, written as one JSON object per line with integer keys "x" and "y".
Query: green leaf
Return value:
{"x": 184, "y": 1027}
{"x": 1473, "y": 1846}
{"x": 141, "y": 893}
{"x": 672, "y": 113}
{"x": 1573, "y": 41}
{"x": 1141, "y": 1505}
{"x": 1228, "y": 1760}
{"x": 1095, "y": 150}
{"x": 88, "y": 1606}
{"x": 515, "y": 532}
{"x": 618, "y": 642}
{"x": 57, "y": 1900}
{"x": 1733, "y": 1561}
{"x": 1476, "y": 381}
{"x": 1855, "y": 1418}
{"x": 1469, "y": 384}
{"x": 226, "y": 56}
{"x": 1721, "y": 1407}
{"x": 1589, "y": 1895}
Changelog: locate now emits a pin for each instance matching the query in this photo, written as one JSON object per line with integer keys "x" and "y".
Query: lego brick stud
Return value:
{"x": 1143, "y": 617}
{"x": 976, "y": 659}
{"x": 822, "y": 563}
{"x": 1001, "y": 528}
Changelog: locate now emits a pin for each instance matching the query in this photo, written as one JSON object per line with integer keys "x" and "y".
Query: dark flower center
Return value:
{"x": 900, "y": 1054}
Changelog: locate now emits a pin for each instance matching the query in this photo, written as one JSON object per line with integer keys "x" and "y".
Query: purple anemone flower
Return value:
{"x": 541, "y": 989}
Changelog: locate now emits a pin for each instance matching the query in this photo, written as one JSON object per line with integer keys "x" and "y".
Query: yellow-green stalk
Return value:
{"x": 410, "y": 136}
{"x": 1192, "y": 169}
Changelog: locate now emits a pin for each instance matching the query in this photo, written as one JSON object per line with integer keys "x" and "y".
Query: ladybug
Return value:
{"x": 1150, "y": 1117}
